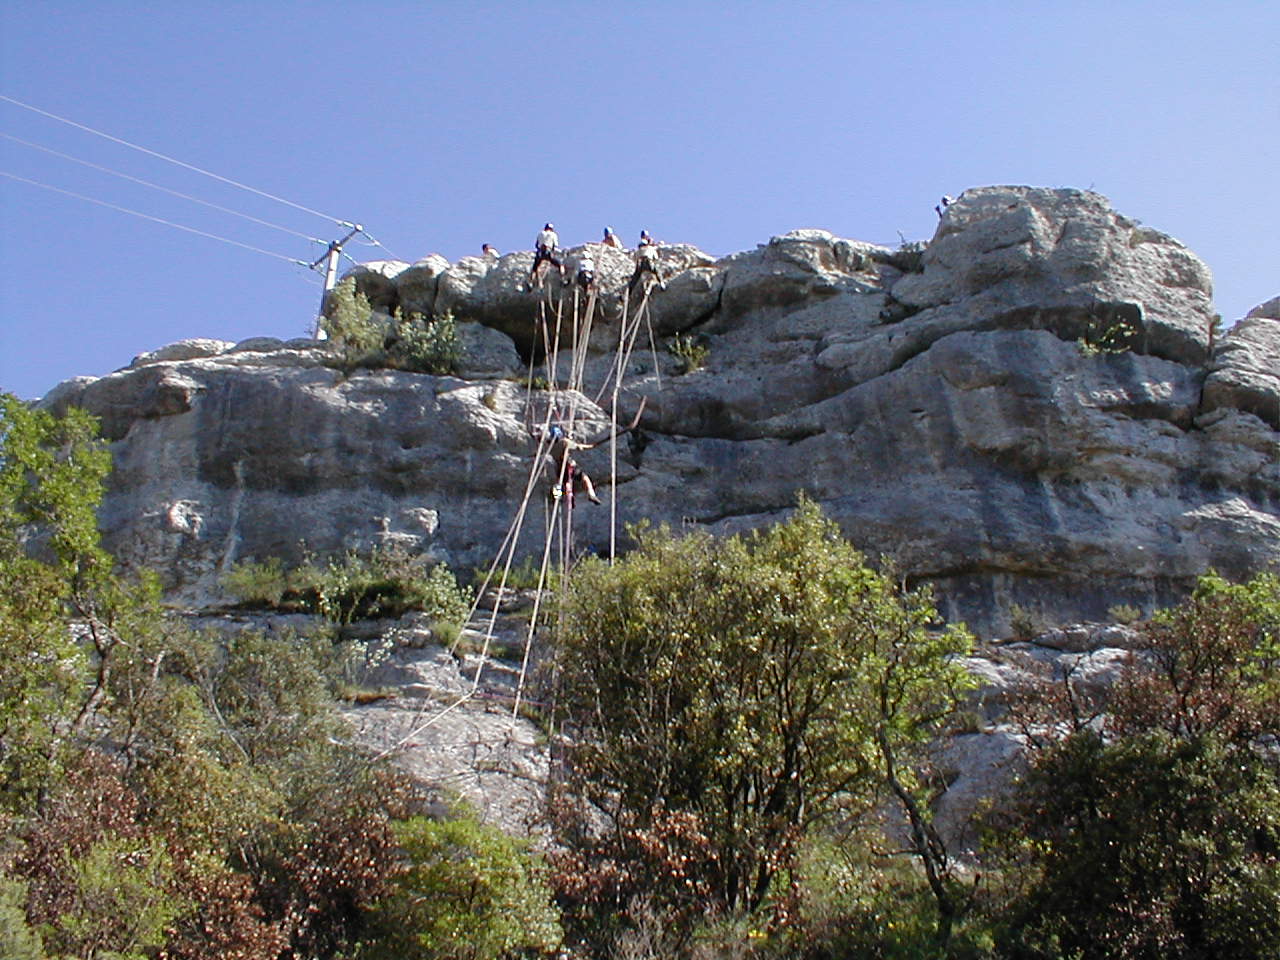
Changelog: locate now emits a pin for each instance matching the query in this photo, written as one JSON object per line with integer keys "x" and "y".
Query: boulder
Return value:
{"x": 416, "y": 286}
{"x": 1069, "y": 260}
{"x": 1270, "y": 309}
{"x": 191, "y": 349}
{"x": 1246, "y": 370}
{"x": 376, "y": 280}
{"x": 486, "y": 353}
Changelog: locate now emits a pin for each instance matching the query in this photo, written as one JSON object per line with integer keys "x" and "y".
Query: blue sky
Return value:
{"x": 443, "y": 126}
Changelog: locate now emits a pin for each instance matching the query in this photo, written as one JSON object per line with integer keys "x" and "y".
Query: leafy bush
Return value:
{"x": 1152, "y": 846}
{"x": 1124, "y": 613}
{"x": 348, "y": 322}
{"x": 465, "y": 892}
{"x": 1025, "y": 624}
{"x": 258, "y": 584}
{"x": 909, "y": 257}
{"x": 1107, "y": 331}
{"x": 524, "y": 575}
{"x": 405, "y": 341}
{"x": 227, "y": 817}
{"x": 1149, "y": 824}
{"x": 425, "y": 344}
{"x": 386, "y": 582}
{"x": 850, "y": 899}
{"x": 691, "y": 352}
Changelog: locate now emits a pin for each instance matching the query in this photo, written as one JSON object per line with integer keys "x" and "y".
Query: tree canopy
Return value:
{"x": 754, "y": 683}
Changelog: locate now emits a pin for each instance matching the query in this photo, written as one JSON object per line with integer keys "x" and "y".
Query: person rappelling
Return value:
{"x": 646, "y": 261}
{"x": 544, "y": 251}
{"x": 611, "y": 239}
{"x": 571, "y": 478}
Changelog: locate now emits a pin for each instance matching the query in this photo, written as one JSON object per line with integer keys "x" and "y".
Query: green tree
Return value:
{"x": 761, "y": 684}
{"x": 51, "y": 479}
{"x": 1149, "y": 824}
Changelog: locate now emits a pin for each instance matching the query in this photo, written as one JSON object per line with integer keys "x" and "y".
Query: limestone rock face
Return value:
{"x": 1270, "y": 309}
{"x": 1068, "y": 256}
{"x": 183, "y": 350}
{"x": 1246, "y": 370}
{"x": 972, "y": 419}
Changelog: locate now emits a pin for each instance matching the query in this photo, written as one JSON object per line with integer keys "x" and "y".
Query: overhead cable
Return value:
{"x": 161, "y": 156}
{"x": 374, "y": 242}
{"x": 156, "y": 186}
{"x": 147, "y": 216}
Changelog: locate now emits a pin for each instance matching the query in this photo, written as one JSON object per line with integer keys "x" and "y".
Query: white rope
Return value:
{"x": 156, "y": 186}
{"x": 168, "y": 159}
{"x": 506, "y": 552}
{"x": 147, "y": 216}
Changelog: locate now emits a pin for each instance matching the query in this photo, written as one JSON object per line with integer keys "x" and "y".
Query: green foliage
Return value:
{"x": 909, "y": 257}
{"x": 425, "y": 344}
{"x": 51, "y": 478}
{"x": 466, "y": 892}
{"x": 17, "y": 940}
{"x": 755, "y": 684}
{"x": 1153, "y": 846}
{"x": 349, "y": 324}
{"x": 52, "y": 473}
{"x": 1212, "y": 665}
{"x": 1025, "y": 624}
{"x": 850, "y": 901}
{"x": 405, "y": 341}
{"x": 386, "y": 582}
{"x": 1105, "y": 334}
{"x": 690, "y": 351}
{"x": 1156, "y": 832}
{"x": 258, "y": 584}
{"x": 121, "y": 905}
{"x": 1125, "y": 613}
{"x": 525, "y": 575}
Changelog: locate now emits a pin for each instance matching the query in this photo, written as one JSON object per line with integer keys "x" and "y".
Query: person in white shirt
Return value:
{"x": 586, "y": 276}
{"x": 544, "y": 251}
{"x": 646, "y": 261}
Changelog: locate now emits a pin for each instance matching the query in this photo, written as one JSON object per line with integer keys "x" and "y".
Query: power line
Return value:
{"x": 156, "y": 186}
{"x": 147, "y": 216}
{"x": 161, "y": 156}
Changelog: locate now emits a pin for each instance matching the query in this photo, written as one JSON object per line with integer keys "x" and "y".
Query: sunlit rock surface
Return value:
{"x": 1027, "y": 414}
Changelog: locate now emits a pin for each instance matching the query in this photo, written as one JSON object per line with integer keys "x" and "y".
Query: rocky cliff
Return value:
{"x": 1036, "y": 410}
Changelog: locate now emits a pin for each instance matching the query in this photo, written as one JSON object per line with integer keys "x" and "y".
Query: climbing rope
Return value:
{"x": 562, "y": 411}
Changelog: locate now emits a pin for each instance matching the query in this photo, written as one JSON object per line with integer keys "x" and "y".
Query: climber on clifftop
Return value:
{"x": 646, "y": 261}
{"x": 586, "y": 275}
{"x": 544, "y": 251}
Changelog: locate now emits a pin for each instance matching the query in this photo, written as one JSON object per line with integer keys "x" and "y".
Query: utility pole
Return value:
{"x": 330, "y": 259}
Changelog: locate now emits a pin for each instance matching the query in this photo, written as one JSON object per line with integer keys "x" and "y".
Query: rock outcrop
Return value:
{"x": 1025, "y": 412}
